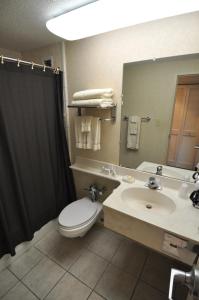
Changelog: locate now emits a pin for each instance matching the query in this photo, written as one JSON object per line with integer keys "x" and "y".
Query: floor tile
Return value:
{"x": 95, "y": 296}
{"x": 19, "y": 292}
{"x": 43, "y": 277}
{"x": 69, "y": 288}
{"x": 157, "y": 271}
{"x": 145, "y": 292}
{"x": 130, "y": 257}
{"x": 104, "y": 242}
{"x": 116, "y": 284}
{"x": 62, "y": 250}
{"x": 26, "y": 262}
{"x": 89, "y": 268}
{"x": 7, "y": 281}
{"x": 66, "y": 252}
{"x": 48, "y": 242}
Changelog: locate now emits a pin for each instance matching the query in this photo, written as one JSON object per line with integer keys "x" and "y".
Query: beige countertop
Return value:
{"x": 183, "y": 221}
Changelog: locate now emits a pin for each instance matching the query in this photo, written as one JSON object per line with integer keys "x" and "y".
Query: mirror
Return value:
{"x": 164, "y": 95}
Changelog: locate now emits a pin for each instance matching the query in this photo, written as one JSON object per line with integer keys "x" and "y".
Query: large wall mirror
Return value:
{"x": 160, "y": 116}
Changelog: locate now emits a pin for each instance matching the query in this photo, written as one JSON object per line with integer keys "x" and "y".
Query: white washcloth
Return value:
{"x": 106, "y": 102}
{"x": 86, "y": 124}
{"x": 93, "y": 93}
{"x": 133, "y": 134}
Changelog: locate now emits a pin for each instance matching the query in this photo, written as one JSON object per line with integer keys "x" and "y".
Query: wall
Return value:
{"x": 149, "y": 90}
{"x": 37, "y": 55}
{"x": 10, "y": 53}
{"x": 98, "y": 62}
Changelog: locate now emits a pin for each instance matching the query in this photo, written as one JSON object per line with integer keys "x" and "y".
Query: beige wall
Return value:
{"x": 10, "y": 53}
{"x": 149, "y": 90}
{"x": 37, "y": 55}
{"x": 98, "y": 62}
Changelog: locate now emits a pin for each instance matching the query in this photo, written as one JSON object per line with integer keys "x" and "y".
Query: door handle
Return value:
{"x": 189, "y": 279}
{"x": 176, "y": 275}
{"x": 196, "y": 147}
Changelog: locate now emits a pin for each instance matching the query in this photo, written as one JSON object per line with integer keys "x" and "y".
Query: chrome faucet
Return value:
{"x": 159, "y": 170}
{"x": 95, "y": 192}
{"x": 195, "y": 194}
{"x": 196, "y": 176}
{"x": 195, "y": 198}
{"x": 153, "y": 184}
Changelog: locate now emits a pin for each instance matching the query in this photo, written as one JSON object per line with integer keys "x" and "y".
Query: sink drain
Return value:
{"x": 149, "y": 206}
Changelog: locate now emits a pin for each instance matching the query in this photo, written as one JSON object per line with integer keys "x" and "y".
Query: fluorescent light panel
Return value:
{"x": 107, "y": 15}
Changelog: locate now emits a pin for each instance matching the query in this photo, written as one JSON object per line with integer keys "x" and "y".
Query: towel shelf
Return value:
{"x": 111, "y": 107}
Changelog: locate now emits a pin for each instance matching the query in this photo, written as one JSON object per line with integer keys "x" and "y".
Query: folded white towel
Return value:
{"x": 93, "y": 93}
{"x": 106, "y": 102}
{"x": 133, "y": 134}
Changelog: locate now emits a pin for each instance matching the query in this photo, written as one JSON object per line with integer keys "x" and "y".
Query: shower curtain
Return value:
{"x": 35, "y": 179}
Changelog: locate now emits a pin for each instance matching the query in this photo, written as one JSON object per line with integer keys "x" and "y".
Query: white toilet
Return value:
{"x": 78, "y": 217}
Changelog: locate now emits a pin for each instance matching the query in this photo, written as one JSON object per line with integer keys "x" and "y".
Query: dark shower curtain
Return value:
{"x": 35, "y": 179}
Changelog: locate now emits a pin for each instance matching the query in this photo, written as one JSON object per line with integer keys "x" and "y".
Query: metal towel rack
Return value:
{"x": 112, "y": 108}
{"x": 143, "y": 119}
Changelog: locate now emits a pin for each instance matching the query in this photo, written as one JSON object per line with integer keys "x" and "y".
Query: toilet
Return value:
{"x": 78, "y": 217}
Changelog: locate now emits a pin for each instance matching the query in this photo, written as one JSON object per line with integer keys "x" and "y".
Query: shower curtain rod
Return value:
{"x": 33, "y": 64}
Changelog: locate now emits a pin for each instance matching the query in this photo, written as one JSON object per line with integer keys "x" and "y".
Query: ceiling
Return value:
{"x": 23, "y": 22}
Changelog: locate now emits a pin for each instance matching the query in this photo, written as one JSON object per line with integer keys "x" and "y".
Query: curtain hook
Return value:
{"x": 18, "y": 62}
{"x": 2, "y": 61}
{"x": 32, "y": 67}
{"x": 44, "y": 68}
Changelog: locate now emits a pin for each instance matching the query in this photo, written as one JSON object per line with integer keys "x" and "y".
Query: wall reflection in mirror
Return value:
{"x": 160, "y": 116}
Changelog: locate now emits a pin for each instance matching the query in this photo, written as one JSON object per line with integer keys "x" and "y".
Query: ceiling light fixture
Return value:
{"x": 107, "y": 15}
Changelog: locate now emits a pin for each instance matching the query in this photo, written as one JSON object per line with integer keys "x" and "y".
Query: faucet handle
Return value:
{"x": 159, "y": 170}
{"x": 152, "y": 179}
{"x": 195, "y": 198}
{"x": 153, "y": 183}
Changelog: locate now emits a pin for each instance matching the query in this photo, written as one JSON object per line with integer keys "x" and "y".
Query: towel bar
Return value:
{"x": 143, "y": 119}
{"x": 112, "y": 108}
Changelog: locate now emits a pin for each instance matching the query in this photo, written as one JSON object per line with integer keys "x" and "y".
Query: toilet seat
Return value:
{"x": 78, "y": 213}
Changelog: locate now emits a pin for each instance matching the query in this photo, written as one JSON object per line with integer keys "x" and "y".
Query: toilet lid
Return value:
{"x": 77, "y": 213}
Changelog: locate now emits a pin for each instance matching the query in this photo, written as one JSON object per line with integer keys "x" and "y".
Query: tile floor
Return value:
{"x": 102, "y": 265}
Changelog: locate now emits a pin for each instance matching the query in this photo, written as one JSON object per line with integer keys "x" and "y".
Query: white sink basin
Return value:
{"x": 145, "y": 199}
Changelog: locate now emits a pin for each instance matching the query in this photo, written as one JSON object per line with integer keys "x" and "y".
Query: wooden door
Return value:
{"x": 178, "y": 115}
{"x": 185, "y": 128}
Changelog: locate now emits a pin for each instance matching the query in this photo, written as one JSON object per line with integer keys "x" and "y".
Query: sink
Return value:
{"x": 144, "y": 199}
{"x": 167, "y": 171}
